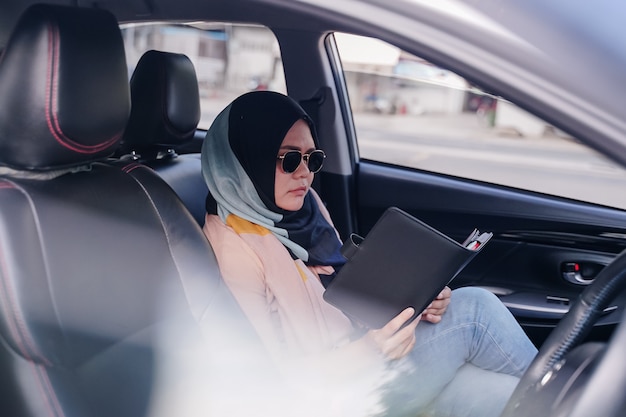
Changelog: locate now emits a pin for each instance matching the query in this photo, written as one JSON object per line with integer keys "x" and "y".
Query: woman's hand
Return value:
{"x": 435, "y": 310}
{"x": 393, "y": 340}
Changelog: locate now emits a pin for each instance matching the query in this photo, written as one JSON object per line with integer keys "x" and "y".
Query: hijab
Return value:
{"x": 239, "y": 166}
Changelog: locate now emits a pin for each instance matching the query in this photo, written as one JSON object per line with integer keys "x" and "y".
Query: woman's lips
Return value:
{"x": 299, "y": 191}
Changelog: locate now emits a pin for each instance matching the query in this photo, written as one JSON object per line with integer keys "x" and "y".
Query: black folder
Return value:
{"x": 402, "y": 262}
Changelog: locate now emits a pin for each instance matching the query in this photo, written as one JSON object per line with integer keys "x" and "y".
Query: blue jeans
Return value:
{"x": 467, "y": 365}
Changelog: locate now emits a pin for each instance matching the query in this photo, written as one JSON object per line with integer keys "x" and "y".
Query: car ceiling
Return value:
{"x": 244, "y": 11}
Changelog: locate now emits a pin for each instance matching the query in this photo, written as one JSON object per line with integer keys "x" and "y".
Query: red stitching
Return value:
{"x": 17, "y": 326}
{"x": 131, "y": 167}
{"x": 52, "y": 101}
{"x": 47, "y": 386}
{"x": 35, "y": 369}
{"x": 12, "y": 325}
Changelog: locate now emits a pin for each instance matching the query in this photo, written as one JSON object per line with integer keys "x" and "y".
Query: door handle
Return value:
{"x": 580, "y": 273}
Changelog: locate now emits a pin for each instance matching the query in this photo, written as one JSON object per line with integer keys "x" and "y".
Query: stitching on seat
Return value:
{"x": 8, "y": 304}
{"x": 42, "y": 391}
{"x": 52, "y": 403}
{"x": 132, "y": 166}
{"x": 41, "y": 379}
{"x": 52, "y": 80}
{"x": 18, "y": 328}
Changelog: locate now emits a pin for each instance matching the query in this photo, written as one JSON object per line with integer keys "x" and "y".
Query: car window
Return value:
{"x": 230, "y": 59}
{"x": 411, "y": 113}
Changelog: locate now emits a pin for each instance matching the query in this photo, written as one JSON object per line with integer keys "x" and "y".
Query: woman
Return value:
{"x": 275, "y": 244}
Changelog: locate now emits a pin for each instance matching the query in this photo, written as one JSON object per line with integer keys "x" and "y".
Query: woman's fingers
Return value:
{"x": 397, "y": 338}
{"x": 393, "y": 340}
{"x": 401, "y": 342}
{"x": 398, "y": 321}
{"x": 437, "y": 308}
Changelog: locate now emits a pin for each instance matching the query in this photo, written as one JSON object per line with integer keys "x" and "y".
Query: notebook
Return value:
{"x": 402, "y": 262}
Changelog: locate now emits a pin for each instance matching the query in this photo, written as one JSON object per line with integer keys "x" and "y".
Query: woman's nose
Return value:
{"x": 303, "y": 169}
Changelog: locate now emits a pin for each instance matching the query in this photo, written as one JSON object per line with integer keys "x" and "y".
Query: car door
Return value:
{"x": 458, "y": 158}
{"x": 422, "y": 138}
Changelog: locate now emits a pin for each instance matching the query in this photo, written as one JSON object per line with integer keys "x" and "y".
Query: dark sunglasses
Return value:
{"x": 291, "y": 160}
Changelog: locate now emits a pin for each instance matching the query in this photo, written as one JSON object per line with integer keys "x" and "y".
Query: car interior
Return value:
{"x": 167, "y": 87}
{"x": 94, "y": 263}
{"x": 102, "y": 201}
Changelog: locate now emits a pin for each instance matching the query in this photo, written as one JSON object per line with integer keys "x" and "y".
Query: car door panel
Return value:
{"x": 536, "y": 239}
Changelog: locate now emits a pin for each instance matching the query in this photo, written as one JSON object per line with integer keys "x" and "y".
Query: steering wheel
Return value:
{"x": 570, "y": 379}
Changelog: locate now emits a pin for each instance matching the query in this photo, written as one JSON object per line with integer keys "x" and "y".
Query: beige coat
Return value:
{"x": 283, "y": 300}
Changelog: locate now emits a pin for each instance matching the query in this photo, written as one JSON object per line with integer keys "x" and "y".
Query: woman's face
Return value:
{"x": 291, "y": 188}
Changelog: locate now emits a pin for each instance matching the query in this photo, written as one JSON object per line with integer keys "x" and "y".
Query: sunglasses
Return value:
{"x": 291, "y": 160}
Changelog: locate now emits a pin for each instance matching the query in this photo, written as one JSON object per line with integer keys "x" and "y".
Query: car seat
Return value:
{"x": 165, "y": 112}
{"x": 98, "y": 259}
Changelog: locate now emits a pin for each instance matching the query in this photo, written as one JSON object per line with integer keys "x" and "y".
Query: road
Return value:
{"x": 461, "y": 146}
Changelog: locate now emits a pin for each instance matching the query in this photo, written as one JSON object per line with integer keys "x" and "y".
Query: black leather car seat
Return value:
{"x": 165, "y": 111}
{"x": 97, "y": 258}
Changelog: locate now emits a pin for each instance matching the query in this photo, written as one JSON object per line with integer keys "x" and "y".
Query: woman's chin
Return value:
{"x": 292, "y": 204}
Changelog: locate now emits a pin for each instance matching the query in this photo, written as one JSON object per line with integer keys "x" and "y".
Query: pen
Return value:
{"x": 473, "y": 245}
{"x": 476, "y": 242}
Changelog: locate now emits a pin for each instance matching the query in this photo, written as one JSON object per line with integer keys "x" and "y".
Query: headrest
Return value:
{"x": 165, "y": 101}
{"x": 64, "y": 97}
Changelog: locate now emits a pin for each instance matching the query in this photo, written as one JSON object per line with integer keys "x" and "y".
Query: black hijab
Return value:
{"x": 255, "y": 127}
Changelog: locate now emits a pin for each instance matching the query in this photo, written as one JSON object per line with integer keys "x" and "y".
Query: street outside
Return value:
{"x": 461, "y": 145}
